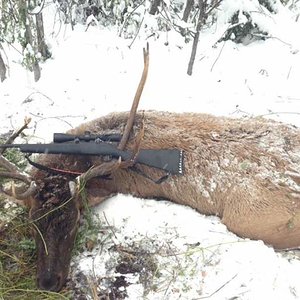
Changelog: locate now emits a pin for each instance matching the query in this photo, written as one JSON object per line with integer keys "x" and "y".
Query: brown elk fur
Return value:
{"x": 246, "y": 171}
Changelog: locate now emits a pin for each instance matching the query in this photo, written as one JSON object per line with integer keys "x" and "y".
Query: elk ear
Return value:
{"x": 72, "y": 187}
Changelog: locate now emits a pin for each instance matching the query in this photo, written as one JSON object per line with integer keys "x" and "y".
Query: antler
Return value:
{"x": 108, "y": 167}
{"x": 136, "y": 100}
{"x": 9, "y": 170}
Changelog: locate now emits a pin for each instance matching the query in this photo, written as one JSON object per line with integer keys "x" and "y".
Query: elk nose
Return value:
{"x": 49, "y": 282}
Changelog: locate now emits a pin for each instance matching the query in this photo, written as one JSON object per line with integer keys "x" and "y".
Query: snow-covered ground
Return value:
{"x": 93, "y": 73}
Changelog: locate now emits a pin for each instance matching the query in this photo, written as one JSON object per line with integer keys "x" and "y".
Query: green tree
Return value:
{"x": 21, "y": 24}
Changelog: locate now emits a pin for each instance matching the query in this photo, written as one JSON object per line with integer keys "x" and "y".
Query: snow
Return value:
{"x": 196, "y": 254}
{"x": 94, "y": 72}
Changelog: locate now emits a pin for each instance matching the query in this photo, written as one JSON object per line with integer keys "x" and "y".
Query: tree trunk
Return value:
{"x": 201, "y": 20}
{"x": 69, "y": 12}
{"x": 36, "y": 70}
{"x": 42, "y": 47}
{"x": 2, "y": 69}
{"x": 154, "y": 7}
{"x": 29, "y": 39}
{"x": 187, "y": 10}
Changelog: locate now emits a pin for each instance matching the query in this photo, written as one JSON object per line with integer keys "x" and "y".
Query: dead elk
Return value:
{"x": 247, "y": 172}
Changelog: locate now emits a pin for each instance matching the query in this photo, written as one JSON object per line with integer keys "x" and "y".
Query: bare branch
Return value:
{"x": 11, "y": 139}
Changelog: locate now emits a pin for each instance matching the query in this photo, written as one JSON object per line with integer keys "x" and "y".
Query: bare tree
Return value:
{"x": 204, "y": 12}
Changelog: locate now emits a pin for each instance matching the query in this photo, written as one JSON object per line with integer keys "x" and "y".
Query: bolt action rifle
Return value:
{"x": 169, "y": 160}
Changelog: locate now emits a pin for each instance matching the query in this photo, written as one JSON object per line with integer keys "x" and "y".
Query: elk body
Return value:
{"x": 247, "y": 172}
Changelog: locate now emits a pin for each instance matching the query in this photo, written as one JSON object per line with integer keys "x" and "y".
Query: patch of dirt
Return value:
{"x": 134, "y": 260}
{"x": 116, "y": 290}
{"x": 113, "y": 288}
{"x": 134, "y": 265}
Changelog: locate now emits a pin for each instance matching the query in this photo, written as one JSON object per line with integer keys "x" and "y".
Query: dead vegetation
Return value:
{"x": 17, "y": 257}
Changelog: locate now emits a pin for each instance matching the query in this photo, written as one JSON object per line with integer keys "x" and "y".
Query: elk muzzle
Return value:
{"x": 51, "y": 282}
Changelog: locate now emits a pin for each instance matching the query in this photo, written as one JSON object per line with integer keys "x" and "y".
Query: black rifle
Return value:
{"x": 170, "y": 160}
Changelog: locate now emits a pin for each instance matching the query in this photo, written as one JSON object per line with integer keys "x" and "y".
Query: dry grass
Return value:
{"x": 18, "y": 259}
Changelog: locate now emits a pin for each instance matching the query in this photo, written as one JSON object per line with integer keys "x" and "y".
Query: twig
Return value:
{"x": 137, "y": 32}
{"x": 54, "y": 22}
{"x": 217, "y": 290}
{"x": 27, "y": 99}
{"x": 217, "y": 57}
{"x": 272, "y": 37}
{"x": 92, "y": 283}
{"x": 10, "y": 44}
{"x": 215, "y": 5}
{"x": 289, "y": 73}
{"x": 280, "y": 113}
{"x": 129, "y": 15}
{"x": 60, "y": 118}
{"x": 109, "y": 226}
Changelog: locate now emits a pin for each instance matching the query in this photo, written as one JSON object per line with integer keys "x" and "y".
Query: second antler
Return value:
{"x": 10, "y": 170}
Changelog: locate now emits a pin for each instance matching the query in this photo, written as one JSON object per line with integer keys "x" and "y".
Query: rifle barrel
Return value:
{"x": 7, "y": 146}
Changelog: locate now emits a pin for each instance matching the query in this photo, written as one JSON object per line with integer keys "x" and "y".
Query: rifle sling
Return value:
{"x": 51, "y": 170}
{"x": 74, "y": 174}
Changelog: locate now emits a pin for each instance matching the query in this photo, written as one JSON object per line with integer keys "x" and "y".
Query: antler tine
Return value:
{"x": 136, "y": 100}
{"x": 12, "y": 171}
{"x": 101, "y": 170}
{"x": 7, "y": 165}
{"x": 16, "y": 175}
{"x": 9, "y": 170}
{"x": 20, "y": 196}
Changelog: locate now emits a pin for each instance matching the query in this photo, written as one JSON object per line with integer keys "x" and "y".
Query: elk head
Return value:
{"x": 55, "y": 205}
{"x": 54, "y": 214}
